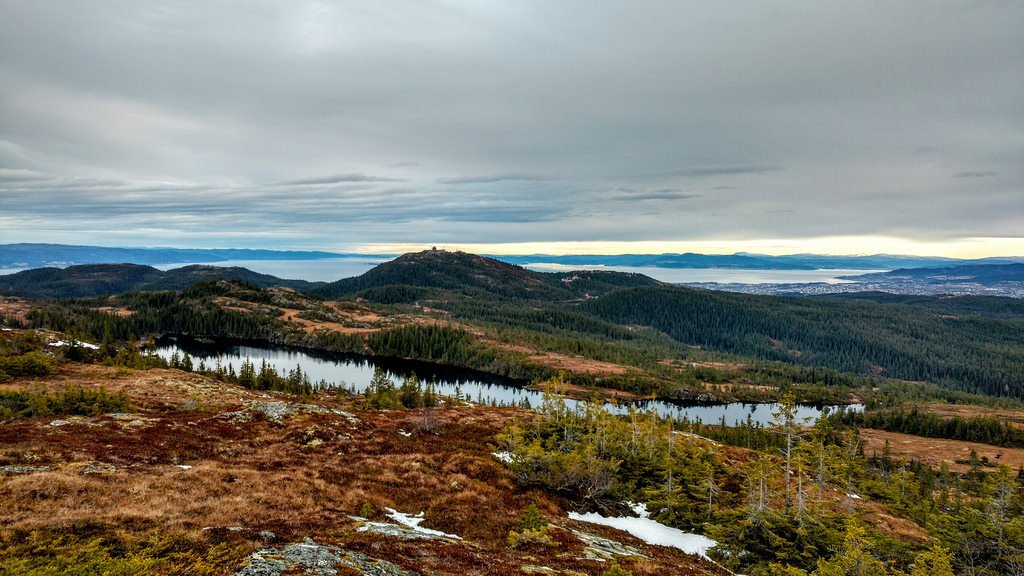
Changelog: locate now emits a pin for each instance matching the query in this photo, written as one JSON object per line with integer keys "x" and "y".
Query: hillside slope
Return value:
{"x": 419, "y": 274}
{"x": 963, "y": 350}
{"x": 109, "y": 279}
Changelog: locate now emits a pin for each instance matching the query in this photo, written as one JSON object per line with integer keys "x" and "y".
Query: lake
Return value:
{"x": 354, "y": 372}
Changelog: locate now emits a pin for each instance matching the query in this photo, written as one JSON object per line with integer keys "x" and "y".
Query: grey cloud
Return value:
{"x": 337, "y": 179}
{"x": 234, "y": 208}
{"x": 9, "y": 176}
{"x": 719, "y": 170}
{"x": 975, "y": 174}
{"x": 495, "y": 178}
{"x": 475, "y": 122}
{"x": 630, "y": 195}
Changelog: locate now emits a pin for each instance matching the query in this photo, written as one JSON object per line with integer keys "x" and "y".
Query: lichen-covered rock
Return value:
{"x": 274, "y": 411}
{"x": 15, "y": 469}
{"x": 601, "y": 549}
{"x": 314, "y": 559}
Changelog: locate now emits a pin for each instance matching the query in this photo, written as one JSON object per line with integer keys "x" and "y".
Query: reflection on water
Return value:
{"x": 354, "y": 372}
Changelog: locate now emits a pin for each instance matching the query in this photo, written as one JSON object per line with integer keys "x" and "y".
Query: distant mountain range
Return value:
{"x": 108, "y": 279}
{"x": 61, "y": 255}
{"x": 976, "y": 273}
{"x": 755, "y": 261}
{"x": 410, "y": 277}
{"x": 26, "y": 256}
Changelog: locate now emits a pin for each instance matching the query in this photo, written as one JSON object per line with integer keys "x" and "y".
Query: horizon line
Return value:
{"x": 834, "y": 246}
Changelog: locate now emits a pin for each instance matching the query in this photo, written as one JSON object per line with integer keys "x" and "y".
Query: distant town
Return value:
{"x": 1011, "y": 289}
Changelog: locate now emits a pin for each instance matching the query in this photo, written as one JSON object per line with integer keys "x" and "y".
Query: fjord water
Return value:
{"x": 331, "y": 269}
{"x": 354, "y": 372}
{"x": 719, "y": 275}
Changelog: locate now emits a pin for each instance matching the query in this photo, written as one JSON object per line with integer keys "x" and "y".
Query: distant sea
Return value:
{"x": 331, "y": 269}
{"x": 719, "y": 275}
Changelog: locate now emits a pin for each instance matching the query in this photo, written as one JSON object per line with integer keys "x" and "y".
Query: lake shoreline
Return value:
{"x": 518, "y": 389}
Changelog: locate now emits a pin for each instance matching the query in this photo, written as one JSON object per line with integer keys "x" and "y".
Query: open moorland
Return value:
{"x": 115, "y": 460}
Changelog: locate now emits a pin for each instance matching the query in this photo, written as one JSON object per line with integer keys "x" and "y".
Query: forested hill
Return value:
{"x": 420, "y": 274}
{"x": 107, "y": 279}
{"x": 970, "y": 346}
{"x": 980, "y": 273}
{"x": 990, "y": 306}
{"x": 974, "y": 344}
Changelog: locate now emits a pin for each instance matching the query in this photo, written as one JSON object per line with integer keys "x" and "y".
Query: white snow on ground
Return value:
{"x": 404, "y": 433}
{"x": 639, "y": 508}
{"x": 184, "y": 466}
{"x": 82, "y": 344}
{"x": 651, "y": 532}
{"x": 853, "y": 496}
{"x": 504, "y": 457}
{"x": 413, "y": 521}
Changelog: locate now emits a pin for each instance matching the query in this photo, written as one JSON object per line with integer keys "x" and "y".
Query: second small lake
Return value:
{"x": 354, "y": 372}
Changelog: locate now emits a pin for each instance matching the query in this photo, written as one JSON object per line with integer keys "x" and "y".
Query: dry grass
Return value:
{"x": 300, "y": 478}
{"x": 117, "y": 311}
{"x": 291, "y": 316}
{"x": 158, "y": 389}
{"x": 606, "y": 394}
{"x": 556, "y": 361}
{"x": 15, "y": 308}
{"x": 1014, "y": 417}
{"x": 690, "y": 364}
{"x": 935, "y": 451}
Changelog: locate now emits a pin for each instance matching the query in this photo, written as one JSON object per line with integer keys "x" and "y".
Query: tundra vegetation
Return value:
{"x": 280, "y": 456}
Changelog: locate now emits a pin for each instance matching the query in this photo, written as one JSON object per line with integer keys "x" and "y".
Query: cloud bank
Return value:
{"x": 318, "y": 124}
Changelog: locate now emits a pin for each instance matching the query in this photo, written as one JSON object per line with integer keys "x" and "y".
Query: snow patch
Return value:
{"x": 853, "y": 496}
{"x": 412, "y": 521}
{"x": 505, "y": 457}
{"x": 651, "y": 532}
{"x": 404, "y": 433}
{"x": 639, "y": 508}
{"x": 184, "y": 466}
{"x": 82, "y": 344}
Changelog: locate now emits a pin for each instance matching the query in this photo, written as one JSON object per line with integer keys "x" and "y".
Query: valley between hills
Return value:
{"x": 117, "y": 460}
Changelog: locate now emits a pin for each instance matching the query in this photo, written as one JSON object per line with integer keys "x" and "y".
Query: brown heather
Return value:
{"x": 120, "y": 478}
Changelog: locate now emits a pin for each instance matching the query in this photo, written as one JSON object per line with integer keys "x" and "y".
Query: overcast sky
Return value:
{"x": 828, "y": 126}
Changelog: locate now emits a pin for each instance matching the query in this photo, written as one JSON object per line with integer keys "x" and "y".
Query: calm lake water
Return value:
{"x": 720, "y": 275}
{"x": 354, "y": 372}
